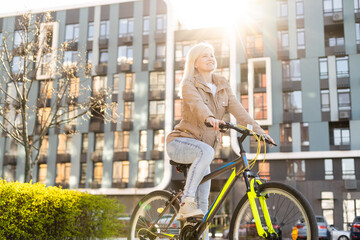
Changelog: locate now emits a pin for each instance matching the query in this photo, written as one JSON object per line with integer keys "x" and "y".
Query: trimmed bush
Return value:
{"x": 33, "y": 211}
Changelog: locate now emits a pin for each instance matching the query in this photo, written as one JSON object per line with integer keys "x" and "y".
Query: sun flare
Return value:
{"x": 194, "y": 14}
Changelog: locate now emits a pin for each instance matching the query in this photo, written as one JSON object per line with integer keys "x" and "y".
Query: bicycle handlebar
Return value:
{"x": 227, "y": 125}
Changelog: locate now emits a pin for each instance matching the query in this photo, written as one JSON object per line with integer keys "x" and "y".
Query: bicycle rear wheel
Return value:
{"x": 147, "y": 212}
{"x": 291, "y": 215}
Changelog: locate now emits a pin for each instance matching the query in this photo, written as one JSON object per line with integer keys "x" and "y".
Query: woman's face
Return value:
{"x": 206, "y": 61}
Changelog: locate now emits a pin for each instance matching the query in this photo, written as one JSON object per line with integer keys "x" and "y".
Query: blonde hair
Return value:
{"x": 191, "y": 57}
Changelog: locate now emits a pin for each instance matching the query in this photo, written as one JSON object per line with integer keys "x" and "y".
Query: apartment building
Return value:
{"x": 294, "y": 68}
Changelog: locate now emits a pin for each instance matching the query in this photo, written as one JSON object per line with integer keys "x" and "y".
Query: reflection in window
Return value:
{"x": 63, "y": 174}
{"x": 72, "y": 32}
{"x": 145, "y": 54}
{"x": 348, "y": 168}
{"x": 157, "y": 81}
{"x": 65, "y": 143}
{"x": 300, "y": 38}
{"x": 245, "y": 102}
{"x": 146, "y": 25}
{"x": 331, "y": 6}
{"x": 143, "y": 140}
{"x": 97, "y": 172}
{"x": 121, "y": 172}
{"x": 70, "y": 58}
{"x": 42, "y": 173}
{"x": 84, "y": 143}
{"x": 99, "y": 142}
{"x": 254, "y": 45}
{"x": 126, "y": 27}
{"x": 304, "y": 134}
{"x": 116, "y": 82}
{"x": 283, "y": 39}
{"x": 90, "y": 31}
{"x": 329, "y": 172}
{"x": 121, "y": 141}
{"x": 292, "y": 101}
{"x": 260, "y": 106}
{"x": 342, "y": 67}
{"x": 327, "y": 206}
{"x": 351, "y": 208}
{"x": 83, "y": 173}
{"x": 159, "y": 136}
{"x": 178, "y": 76}
{"x": 282, "y": 9}
{"x": 291, "y": 70}
{"x": 99, "y": 84}
{"x": 357, "y": 29}
{"x": 323, "y": 67}
{"x": 341, "y": 136}
{"x": 156, "y": 109}
{"x": 161, "y": 23}
{"x": 129, "y": 82}
{"x": 344, "y": 101}
{"x": 182, "y": 48}
{"x": 104, "y": 29}
{"x": 299, "y": 8}
{"x": 295, "y": 170}
{"x": 146, "y": 171}
{"x": 264, "y": 170}
{"x": 104, "y": 56}
{"x": 160, "y": 51}
{"x": 285, "y": 134}
{"x": 325, "y": 100}
{"x": 128, "y": 111}
{"x": 125, "y": 54}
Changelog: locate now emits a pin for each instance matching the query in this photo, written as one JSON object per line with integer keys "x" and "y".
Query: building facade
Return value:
{"x": 294, "y": 68}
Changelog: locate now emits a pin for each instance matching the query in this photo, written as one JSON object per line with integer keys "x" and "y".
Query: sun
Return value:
{"x": 194, "y": 14}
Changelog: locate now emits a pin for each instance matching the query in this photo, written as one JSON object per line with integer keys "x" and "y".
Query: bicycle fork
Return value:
{"x": 252, "y": 196}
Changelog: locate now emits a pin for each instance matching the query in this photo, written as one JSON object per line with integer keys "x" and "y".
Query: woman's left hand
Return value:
{"x": 215, "y": 122}
{"x": 270, "y": 139}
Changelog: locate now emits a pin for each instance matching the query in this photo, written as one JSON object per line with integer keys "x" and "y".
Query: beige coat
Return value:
{"x": 199, "y": 104}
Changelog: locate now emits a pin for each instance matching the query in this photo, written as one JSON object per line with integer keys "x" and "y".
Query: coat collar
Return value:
{"x": 217, "y": 79}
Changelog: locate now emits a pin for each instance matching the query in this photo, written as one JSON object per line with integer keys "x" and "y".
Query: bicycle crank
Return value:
{"x": 187, "y": 233}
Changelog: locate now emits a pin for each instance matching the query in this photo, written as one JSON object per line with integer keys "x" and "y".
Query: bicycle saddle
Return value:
{"x": 180, "y": 167}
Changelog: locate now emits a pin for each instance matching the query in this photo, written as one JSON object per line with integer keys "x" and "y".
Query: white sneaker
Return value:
{"x": 188, "y": 209}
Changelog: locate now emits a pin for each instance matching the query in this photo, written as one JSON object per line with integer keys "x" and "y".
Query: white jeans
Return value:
{"x": 200, "y": 155}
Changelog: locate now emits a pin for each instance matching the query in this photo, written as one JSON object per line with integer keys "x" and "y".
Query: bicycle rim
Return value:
{"x": 287, "y": 208}
{"x": 147, "y": 212}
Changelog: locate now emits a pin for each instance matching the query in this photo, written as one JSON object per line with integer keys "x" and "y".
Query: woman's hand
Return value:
{"x": 269, "y": 138}
{"x": 214, "y": 122}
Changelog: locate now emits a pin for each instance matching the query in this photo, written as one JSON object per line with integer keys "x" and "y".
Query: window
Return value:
{"x": 18, "y": 38}
{"x": 282, "y": 9}
{"x": 126, "y": 27}
{"x": 121, "y": 172}
{"x": 331, "y": 6}
{"x": 64, "y": 144}
{"x": 292, "y": 102}
{"x": 323, "y": 68}
{"x": 339, "y": 134}
{"x": 299, "y": 8}
{"x": 156, "y": 109}
{"x": 335, "y": 39}
{"x": 145, "y": 54}
{"x": 121, "y": 141}
{"x": 178, "y": 77}
{"x": 182, "y": 48}
{"x": 70, "y": 58}
{"x": 304, "y": 134}
{"x": 99, "y": 84}
{"x": 42, "y": 169}
{"x": 89, "y": 56}
{"x": 129, "y": 82}
{"x": 329, "y": 172}
{"x": 327, "y": 206}
{"x": 300, "y": 38}
{"x": 146, "y": 171}
{"x": 72, "y": 32}
{"x": 18, "y": 64}
{"x": 351, "y": 208}
{"x": 44, "y": 146}
{"x": 97, "y": 172}
{"x": 245, "y": 102}
{"x": 104, "y": 29}
{"x": 128, "y": 111}
{"x": 63, "y": 174}
{"x": 90, "y": 31}
{"x": 84, "y": 143}
{"x": 104, "y": 56}
{"x": 177, "y": 109}
{"x": 99, "y": 142}
{"x": 116, "y": 82}
{"x": 264, "y": 170}
{"x": 357, "y": 29}
{"x": 285, "y": 134}
{"x": 125, "y": 54}
{"x": 160, "y": 51}
{"x": 46, "y": 88}
{"x": 260, "y": 106}
{"x": 325, "y": 100}
{"x": 344, "y": 101}
{"x": 254, "y": 45}
{"x": 161, "y": 23}
{"x": 44, "y": 116}
{"x": 146, "y": 25}
{"x": 159, "y": 136}
{"x": 295, "y": 170}
{"x": 348, "y": 168}
{"x": 143, "y": 141}
{"x": 357, "y": 5}
{"x": 342, "y": 67}
{"x": 82, "y": 173}
{"x": 283, "y": 38}
{"x": 157, "y": 81}
{"x": 291, "y": 70}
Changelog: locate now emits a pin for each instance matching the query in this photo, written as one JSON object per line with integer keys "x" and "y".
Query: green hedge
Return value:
{"x": 33, "y": 211}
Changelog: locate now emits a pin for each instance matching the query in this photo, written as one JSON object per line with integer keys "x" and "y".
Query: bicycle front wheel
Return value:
{"x": 147, "y": 212}
{"x": 291, "y": 215}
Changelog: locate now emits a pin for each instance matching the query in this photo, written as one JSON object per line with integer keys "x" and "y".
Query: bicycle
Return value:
{"x": 269, "y": 210}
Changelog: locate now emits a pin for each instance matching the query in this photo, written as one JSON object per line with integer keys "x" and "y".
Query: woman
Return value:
{"x": 206, "y": 98}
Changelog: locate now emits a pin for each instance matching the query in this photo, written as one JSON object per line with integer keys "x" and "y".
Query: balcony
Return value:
{"x": 103, "y": 42}
{"x": 254, "y": 52}
{"x": 125, "y": 40}
{"x": 285, "y": 147}
{"x": 96, "y": 156}
{"x": 119, "y": 184}
{"x": 95, "y": 185}
{"x": 101, "y": 69}
{"x": 334, "y": 18}
{"x": 339, "y": 147}
{"x": 157, "y": 94}
{"x": 43, "y": 157}
{"x": 282, "y": 23}
{"x": 179, "y": 65}
{"x": 223, "y": 62}
{"x": 335, "y": 50}
{"x": 344, "y": 114}
{"x": 289, "y": 86}
{"x": 325, "y": 116}
{"x": 10, "y": 159}
{"x": 160, "y": 37}
{"x": 71, "y": 46}
{"x": 96, "y": 125}
{"x": 156, "y": 155}
{"x": 159, "y": 64}
{"x": 63, "y": 157}
{"x": 128, "y": 96}
{"x": 283, "y": 54}
{"x": 124, "y": 67}
{"x": 243, "y": 88}
{"x": 144, "y": 184}
{"x": 156, "y": 122}
{"x": 142, "y": 155}
{"x": 343, "y": 82}
{"x": 289, "y": 117}
{"x": 121, "y": 156}
{"x": 358, "y": 47}
{"x": 324, "y": 83}
{"x": 127, "y": 125}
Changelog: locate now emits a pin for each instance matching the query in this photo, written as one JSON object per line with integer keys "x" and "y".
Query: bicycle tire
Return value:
{"x": 146, "y": 213}
{"x": 286, "y": 207}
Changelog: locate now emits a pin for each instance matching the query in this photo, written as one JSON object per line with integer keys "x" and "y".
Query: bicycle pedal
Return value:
{"x": 194, "y": 219}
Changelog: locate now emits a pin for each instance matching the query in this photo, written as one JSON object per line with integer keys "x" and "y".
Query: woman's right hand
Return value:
{"x": 215, "y": 122}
